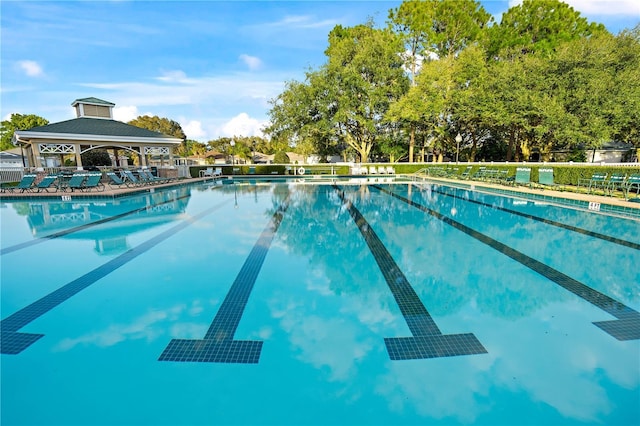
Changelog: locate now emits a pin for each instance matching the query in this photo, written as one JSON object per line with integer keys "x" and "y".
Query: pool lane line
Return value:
{"x": 218, "y": 344}
{"x": 626, "y": 327}
{"x": 13, "y": 342}
{"x": 66, "y": 232}
{"x": 427, "y": 341}
{"x": 550, "y": 222}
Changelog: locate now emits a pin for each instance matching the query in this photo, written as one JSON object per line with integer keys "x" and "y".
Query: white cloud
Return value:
{"x": 606, "y": 7}
{"x": 31, "y": 68}
{"x": 243, "y": 125}
{"x": 303, "y": 21}
{"x": 193, "y": 129}
{"x": 599, "y": 7}
{"x": 173, "y": 76}
{"x": 252, "y": 62}
{"x": 125, "y": 113}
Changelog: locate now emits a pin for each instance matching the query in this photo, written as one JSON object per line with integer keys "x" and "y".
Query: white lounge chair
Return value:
{"x": 208, "y": 172}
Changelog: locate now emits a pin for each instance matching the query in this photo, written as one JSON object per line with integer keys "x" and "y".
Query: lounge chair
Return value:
{"x": 391, "y": 170}
{"x": 145, "y": 176}
{"x": 466, "y": 173}
{"x": 46, "y": 183}
{"x": 130, "y": 177}
{"x": 217, "y": 171}
{"x": 373, "y": 170}
{"x": 597, "y": 180}
{"x": 616, "y": 181}
{"x": 76, "y": 182}
{"x": 523, "y": 176}
{"x": 545, "y": 179}
{"x": 93, "y": 181}
{"x": 382, "y": 170}
{"x": 208, "y": 172}
{"x": 116, "y": 180}
{"x": 479, "y": 174}
{"x": 25, "y": 184}
{"x": 633, "y": 181}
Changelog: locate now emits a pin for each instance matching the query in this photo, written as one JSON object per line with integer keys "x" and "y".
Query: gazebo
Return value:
{"x": 93, "y": 128}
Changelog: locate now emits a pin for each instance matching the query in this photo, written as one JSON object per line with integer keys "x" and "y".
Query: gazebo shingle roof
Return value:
{"x": 98, "y": 126}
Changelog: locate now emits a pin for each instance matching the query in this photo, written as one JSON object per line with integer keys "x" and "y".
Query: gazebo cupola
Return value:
{"x": 93, "y": 108}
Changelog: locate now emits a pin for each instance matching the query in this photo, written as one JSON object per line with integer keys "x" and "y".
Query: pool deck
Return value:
{"x": 548, "y": 194}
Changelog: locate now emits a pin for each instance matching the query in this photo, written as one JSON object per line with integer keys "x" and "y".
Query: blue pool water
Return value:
{"x": 291, "y": 303}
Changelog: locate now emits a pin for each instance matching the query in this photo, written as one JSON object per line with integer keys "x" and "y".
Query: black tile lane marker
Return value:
{"x": 13, "y": 342}
{"x": 427, "y": 340}
{"x": 549, "y": 222}
{"x": 218, "y": 344}
{"x": 626, "y": 327}
{"x": 30, "y": 243}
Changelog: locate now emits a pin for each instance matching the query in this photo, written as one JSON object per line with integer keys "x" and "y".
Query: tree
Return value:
{"x": 538, "y": 26}
{"x": 96, "y": 157}
{"x": 365, "y": 76}
{"x": 434, "y": 29}
{"x": 160, "y": 125}
{"x": 626, "y": 66}
{"x": 344, "y": 102}
{"x": 18, "y": 122}
{"x": 190, "y": 147}
{"x": 281, "y": 157}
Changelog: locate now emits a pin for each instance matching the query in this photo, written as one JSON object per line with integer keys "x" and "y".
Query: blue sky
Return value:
{"x": 212, "y": 66}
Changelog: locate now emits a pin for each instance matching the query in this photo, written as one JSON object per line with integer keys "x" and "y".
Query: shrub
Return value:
{"x": 96, "y": 157}
{"x": 281, "y": 157}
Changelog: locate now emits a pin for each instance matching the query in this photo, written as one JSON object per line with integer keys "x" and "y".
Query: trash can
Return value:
{"x": 154, "y": 170}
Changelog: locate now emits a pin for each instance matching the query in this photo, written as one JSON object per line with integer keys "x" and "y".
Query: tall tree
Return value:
{"x": 538, "y": 26}
{"x": 434, "y": 29}
{"x": 18, "y": 122}
{"x": 344, "y": 102}
{"x": 161, "y": 125}
{"x": 364, "y": 72}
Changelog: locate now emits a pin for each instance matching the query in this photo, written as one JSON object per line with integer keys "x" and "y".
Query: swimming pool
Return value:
{"x": 290, "y": 303}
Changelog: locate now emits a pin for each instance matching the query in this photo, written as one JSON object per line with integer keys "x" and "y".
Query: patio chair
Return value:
{"x": 217, "y": 171}
{"x": 451, "y": 172}
{"x": 382, "y": 170}
{"x": 633, "y": 181}
{"x": 130, "y": 177}
{"x": 597, "y": 180}
{"x": 479, "y": 174}
{"x": 115, "y": 180}
{"x": 76, "y": 182}
{"x": 373, "y": 170}
{"x": 46, "y": 183}
{"x": 616, "y": 181}
{"x": 523, "y": 176}
{"x": 208, "y": 172}
{"x": 391, "y": 170}
{"x": 145, "y": 175}
{"x": 25, "y": 184}
{"x": 545, "y": 179}
{"x": 93, "y": 181}
{"x": 466, "y": 173}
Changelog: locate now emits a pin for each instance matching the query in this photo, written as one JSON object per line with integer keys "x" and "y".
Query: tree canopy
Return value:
{"x": 162, "y": 125}
{"x": 18, "y": 122}
{"x": 542, "y": 80}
